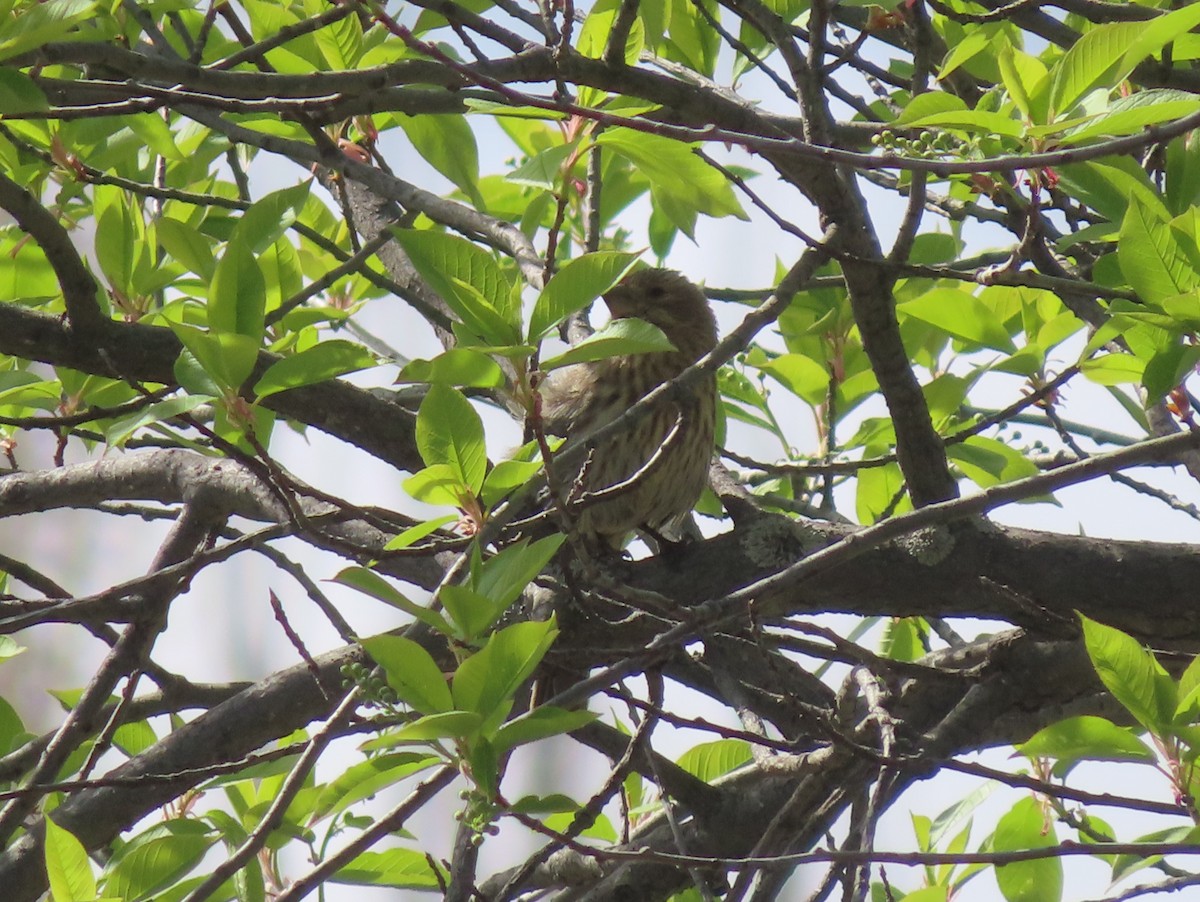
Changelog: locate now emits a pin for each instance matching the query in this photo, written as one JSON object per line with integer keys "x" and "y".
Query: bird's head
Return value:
{"x": 666, "y": 299}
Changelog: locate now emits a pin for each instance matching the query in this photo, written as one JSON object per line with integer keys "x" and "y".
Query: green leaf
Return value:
{"x": 120, "y": 430}
{"x": 540, "y": 723}
{"x": 400, "y": 868}
{"x": 1131, "y": 114}
{"x": 340, "y": 43}
{"x": 447, "y": 725}
{"x": 1085, "y": 738}
{"x": 904, "y": 638}
{"x": 266, "y": 220}
{"x": 67, "y": 866}
{"x": 322, "y": 361}
{"x": 118, "y": 237}
{"x": 594, "y": 35}
{"x": 412, "y": 672}
{"x": 364, "y": 779}
{"x": 1183, "y": 171}
{"x": 1094, "y": 61}
{"x": 155, "y": 863}
{"x": 1154, "y": 35}
{"x": 450, "y": 432}
{"x": 975, "y": 42}
{"x": 20, "y": 94}
{"x": 929, "y": 104}
{"x": 1025, "y": 81}
{"x": 41, "y": 23}
{"x": 439, "y": 485}
{"x": 155, "y": 133}
{"x": 543, "y": 170}
{"x": 458, "y": 366}
{"x": 877, "y": 487}
{"x": 798, "y": 373}
{"x": 1110, "y": 185}
{"x": 1168, "y": 369}
{"x": 1151, "y": 256}
{"x": 483, "y": 765}
{"x": 9, "y": 648}
{"x": 618, "y": 337}
{"x": 1189, "y": 691}
{"x": 371, "y": 583}
{"x": 227, "y": 358}
{"x": 1113, "y": 369}
{"x": 487, "y": 680}
{"x": 576, "y": 285}
{"x": 506, "y": 476}
{"x": 1026, "y": 826}
{"x": 471, "y": 612}
{"x": 975, "y": 122}
{"x": 447, "y": 143}
{"x": 675, "y": 171}
{"x": 450, "y": 264}
{"x": 1131, "y": 674}
{"x": 710, "y": 760}
{"x": 988, "y": 461}
{"x": 504, "y": 576}
{"x": 555, "y": 803}
{"x": 238, "y": 296}
{"x": 188, "y": 246}
{"x": 1125, "y": 865}
{"x": 962, "y": 315}
{"x": 414, "y": 534}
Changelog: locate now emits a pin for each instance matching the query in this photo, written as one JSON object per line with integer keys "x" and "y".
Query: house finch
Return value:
{"x": 578, "y": 400}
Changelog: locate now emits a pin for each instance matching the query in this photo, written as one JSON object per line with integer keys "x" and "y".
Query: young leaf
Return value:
{"x": 471, "y": 612}
{"x": 238, "y": 296}
{"x": 488, "y": 679}
{"x": 398, "y": 868}
{"x": 414, "y": 534}
{"x": 504, "y": 576}
{"x": 962, "y": 315}
{"x": 446, "y": 143}
{"x": 675, "y": 171}
{"x": 450, "y": 432}
{"x": 576, "y": 285}
{"x": 155, "y": 862}
{"x": 448, "y": 263}
{"x": 371, "y": 583}
{"x": 67, "y": 866}
{"x": 438, "y": 484}
{"x": 447, "y": 725}
{"x": 1131, "y": 674}
{"x": 226, "y": 357}
{"x": 540, "y": 723}
{"x": 1026, "y": 826}
{"x": 1085, "y": 737}
{"x": 627, "y": 335}
{"x": 265, "y": 221}
{"x": 119, "y": 234}
{"x": 411, "y": 671}
{"x": 1152, "y": 258}
{"x": 322, "y": 361}
{"x": 458, "y": 367}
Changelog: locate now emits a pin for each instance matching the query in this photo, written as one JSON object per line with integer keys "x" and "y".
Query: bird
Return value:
{"x": 578, "y": 400}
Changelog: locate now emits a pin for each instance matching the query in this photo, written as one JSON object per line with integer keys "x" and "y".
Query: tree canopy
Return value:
{"x": 229, "y": 224}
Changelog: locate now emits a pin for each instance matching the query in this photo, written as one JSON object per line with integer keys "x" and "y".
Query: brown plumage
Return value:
{"x": 578, "y": 400}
